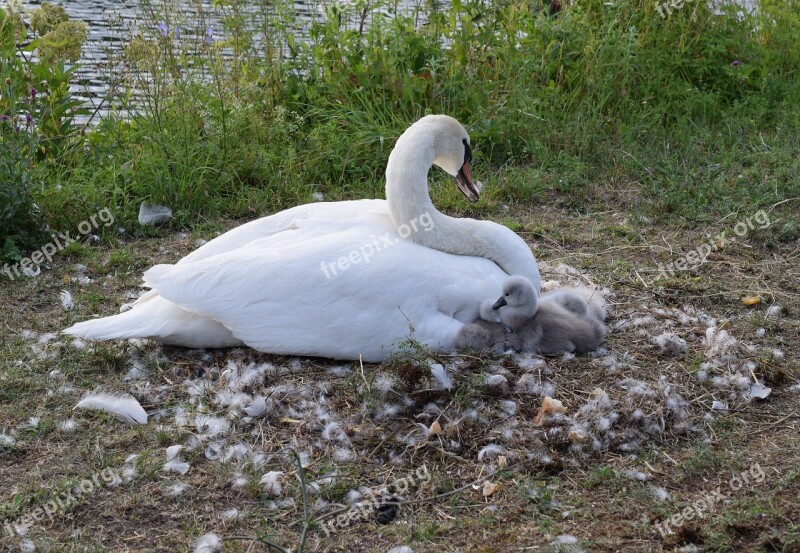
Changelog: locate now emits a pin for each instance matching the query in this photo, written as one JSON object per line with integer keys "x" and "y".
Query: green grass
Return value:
{"x": 687, "y": 118}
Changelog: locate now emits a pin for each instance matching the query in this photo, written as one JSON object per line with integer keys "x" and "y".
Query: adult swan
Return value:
{"x": 341, "y": 279}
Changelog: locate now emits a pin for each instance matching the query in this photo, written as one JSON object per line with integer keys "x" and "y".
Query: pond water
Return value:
{"x": 112, "y": 23}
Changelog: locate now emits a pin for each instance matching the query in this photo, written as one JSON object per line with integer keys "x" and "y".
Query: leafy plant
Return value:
{"x": 37, "y": 117}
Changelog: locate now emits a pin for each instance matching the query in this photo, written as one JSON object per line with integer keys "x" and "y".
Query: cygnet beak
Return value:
{"x": 465, "y": 184}
{"x": 499, "y": 303}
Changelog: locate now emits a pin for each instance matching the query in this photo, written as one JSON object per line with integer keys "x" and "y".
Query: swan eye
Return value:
{"x": 467, "y": 151}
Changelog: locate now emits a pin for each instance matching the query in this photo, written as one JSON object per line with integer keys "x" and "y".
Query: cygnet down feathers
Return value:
{"x": 564, "y": 321}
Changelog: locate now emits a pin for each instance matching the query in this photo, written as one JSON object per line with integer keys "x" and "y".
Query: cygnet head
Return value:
{"x": 452, "y": 150}
{"x": 517, "y": 292}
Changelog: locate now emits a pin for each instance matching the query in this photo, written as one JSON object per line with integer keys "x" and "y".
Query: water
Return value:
{"x": 111, "y": 25}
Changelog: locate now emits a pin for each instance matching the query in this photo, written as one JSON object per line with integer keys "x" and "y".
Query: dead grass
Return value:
{"x": 359, "y": 428}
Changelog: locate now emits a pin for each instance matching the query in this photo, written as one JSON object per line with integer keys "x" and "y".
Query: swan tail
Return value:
{"x": 160, "y": 320}
{"x": 117, "y": 327}
{"x": 155, "y": 273}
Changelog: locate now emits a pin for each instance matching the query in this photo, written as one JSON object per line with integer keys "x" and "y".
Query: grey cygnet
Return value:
{"x": 562, "y": 322}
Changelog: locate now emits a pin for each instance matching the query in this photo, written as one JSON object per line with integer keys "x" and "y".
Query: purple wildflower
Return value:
{"x": 28, "y": 119}
{"x": 735, "y": 63}
{"x": 34, "y": 92}
{"x": 16, "y": 128}
{"x": 210, "y": 35}
{"x": 4, "y": 118}
{"x": 163, "y": 29}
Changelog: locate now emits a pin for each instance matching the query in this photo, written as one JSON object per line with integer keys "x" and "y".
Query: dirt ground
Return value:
{"x": 661, "y": 447}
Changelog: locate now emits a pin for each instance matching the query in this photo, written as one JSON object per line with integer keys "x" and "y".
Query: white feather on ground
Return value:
{"x": 238, "y": 481}
{"x": 230, "y": 514}
{"x": 272, "y": 483}
{"x": 67, "y": 425}
{"x": 172, "y": 451}
{"x": 566, "y": 543}
{"x": 660, "y": 493}
{"x": 176, "y": 465}
{"x": 490, "y": 451}
{"x": 442, "y": 378}
{"x": 208, "y": 544}
{"x": 774, "y": 311}
{"x": 124, "y": 406}
{"x": 670, "y": 344}
{"x": 257, "y": 408}
{"x": 176, "y": 489}
{"x": 153, "y": 214}
{"x": 66, "y": 300}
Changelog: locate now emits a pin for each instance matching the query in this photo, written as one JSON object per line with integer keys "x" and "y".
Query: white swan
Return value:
{"x": 342, "y": 279}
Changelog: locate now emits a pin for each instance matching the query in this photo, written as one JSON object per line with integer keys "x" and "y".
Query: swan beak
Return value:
{"x": 499, "y": 303}
{"x": 465, "y": 184}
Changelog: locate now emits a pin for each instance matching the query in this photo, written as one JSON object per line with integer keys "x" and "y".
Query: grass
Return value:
{"x": 689, "y": 118}
{"x": 605, "y": 509}
{"x": 610, "y": 139}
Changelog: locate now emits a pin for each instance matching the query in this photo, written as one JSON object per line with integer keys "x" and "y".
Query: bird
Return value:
{"x": 546, "y": 328}
{"x": 528, "y": 324}
{"x": 488, "y": 313}
{"x": 581, "y": 301}
{"x": 484, "y": 336}
{"x": 518, "y": 304}
{"x": 342, "y": 280}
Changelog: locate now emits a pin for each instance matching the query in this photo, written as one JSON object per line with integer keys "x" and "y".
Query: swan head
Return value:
{"x": 517, "y": 292}
{"x": 453, "y": 152}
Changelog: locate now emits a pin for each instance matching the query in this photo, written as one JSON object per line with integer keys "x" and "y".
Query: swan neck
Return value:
{"x": 407, "y": 181}
{"x": 416, "y": 218}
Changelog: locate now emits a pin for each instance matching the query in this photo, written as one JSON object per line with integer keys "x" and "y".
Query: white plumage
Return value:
{"x": 66, "y": 300}
{"x": 272, "y": 483}
{"x": 208, "y": 543}
{"x": 337, "y": 279}
{"x": 439, "y": 373}
{"x": 257, "y": 408}
{"x": 123, "y": 406}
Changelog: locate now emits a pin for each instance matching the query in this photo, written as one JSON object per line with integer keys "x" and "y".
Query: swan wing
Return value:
{"x": 284, "y": 220}
{"x": 328, "y": 286}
